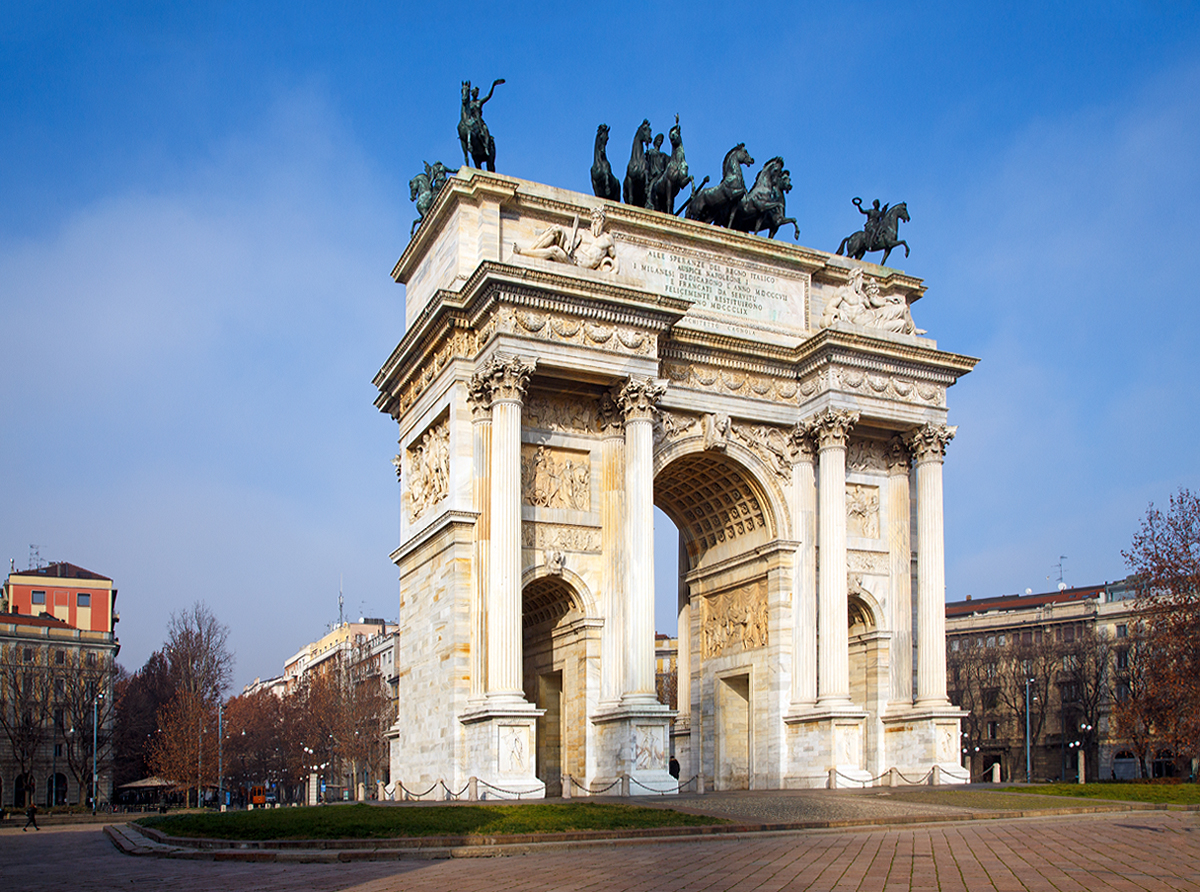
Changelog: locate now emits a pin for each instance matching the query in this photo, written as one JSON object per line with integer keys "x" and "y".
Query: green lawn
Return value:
{"x": 1175, "y": 794}
{"x": 381, "y": 822}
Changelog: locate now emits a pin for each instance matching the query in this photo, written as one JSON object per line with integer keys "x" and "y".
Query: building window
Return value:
{"x": 91, "y": 659}
{"x": 1122, "y": 630}
{"x": 1027, "y": 637}
{"x": 60, "y": 687}
{"x": 38, "y": 598}
{"x": 1003, "y": 640}
{"x": 83, "y": 600}
{"x": 1123, "y": 659}
{"x": 993, "y": 730}
{"x": 28, "y": 655}
{"x": 991, "y": 699}
{"x": 58, "y": 750}
{"x": 1122, "y": 691}
{"x": 954, "y": 645}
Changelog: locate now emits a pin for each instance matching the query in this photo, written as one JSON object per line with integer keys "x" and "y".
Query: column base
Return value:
{"x": 826, "y": 748}
{"x": 632, "y": 741}
{"x": 501, "y": 745}
{"x": 923, "y": 744}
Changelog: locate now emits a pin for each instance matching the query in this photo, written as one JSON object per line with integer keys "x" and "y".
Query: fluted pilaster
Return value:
{"x": 612, "y": 580}
{"x": 899, "y": 539}
{"x": 479, "y": 397}
{"x": 804, "y": 582}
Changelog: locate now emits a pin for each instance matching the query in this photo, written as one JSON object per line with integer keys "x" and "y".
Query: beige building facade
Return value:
{"x": 556, "y": 381}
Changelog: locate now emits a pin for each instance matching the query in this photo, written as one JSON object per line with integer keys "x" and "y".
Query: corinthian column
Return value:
{"x": 928, "y": 446}
{"x": 899, "y": 539}
{"x": 804, "y": 583}
{"x": 479, "y": 397}
{"x": 638, "y": 400}
{"x": 831, "y": 429}
{"x": 612, "y": 579}
{"x": 508, "y": 376}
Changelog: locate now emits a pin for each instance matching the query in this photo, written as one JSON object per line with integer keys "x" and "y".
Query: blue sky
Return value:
{"x": 202, "y": 203}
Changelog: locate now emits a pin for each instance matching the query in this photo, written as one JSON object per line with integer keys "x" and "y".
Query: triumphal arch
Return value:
{"x": 568, "y": 364}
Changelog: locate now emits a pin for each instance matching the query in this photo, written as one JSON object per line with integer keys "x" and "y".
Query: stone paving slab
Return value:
{"x": 1154, "y": 851}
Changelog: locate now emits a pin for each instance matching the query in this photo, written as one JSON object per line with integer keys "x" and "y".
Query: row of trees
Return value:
{"x": 52, "y": 696}
{"x": 1068, "y": 683}
{"x": 174, "y": 722}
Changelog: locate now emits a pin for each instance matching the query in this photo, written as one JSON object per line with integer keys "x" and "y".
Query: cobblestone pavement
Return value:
{"x": 1153, "y": 851}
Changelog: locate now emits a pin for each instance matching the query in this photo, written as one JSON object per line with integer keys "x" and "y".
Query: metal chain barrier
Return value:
{"x": 450, "y": 794}
{"x": 407, "y": 792}
{"x": 516, "y": 793}
{"x": 668, "y": 791}
{"x": 916, "y": 783}
{"x": 591, "y": 791}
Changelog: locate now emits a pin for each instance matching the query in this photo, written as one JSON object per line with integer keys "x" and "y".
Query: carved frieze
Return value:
{"x": 771, "y": 444}
{"x": 863, "y": 456}
{"x": 696, "y": 376}
{"x": 671, "y": 426}
{"x": 552, "y": 412}
{"x": 873, "y": 563}
{"x": 573, "y": 329}
{"x": 556, "y": 478}
{"x": 862, "y": 511}
{"x": 560, "y": 537}
{"x": 460, "y": 344}
{"x": 734, "y": 620}
{"x": 429, "y": 469}
{"x": 881, "y": 385}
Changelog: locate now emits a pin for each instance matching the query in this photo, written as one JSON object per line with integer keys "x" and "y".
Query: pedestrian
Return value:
{"x": 31, "y": 818}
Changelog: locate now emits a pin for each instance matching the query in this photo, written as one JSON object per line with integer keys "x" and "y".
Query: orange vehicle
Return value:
{"x": 258, "y": 795}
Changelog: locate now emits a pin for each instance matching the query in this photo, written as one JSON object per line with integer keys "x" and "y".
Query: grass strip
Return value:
{"x": 361, "y": 821}
{"x": 1172, "y": 794}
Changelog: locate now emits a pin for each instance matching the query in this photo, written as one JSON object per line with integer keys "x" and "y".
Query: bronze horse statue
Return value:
{"x": 764, "y": 206}
{"x": 661, "y": 194}
{"x": 858, "y": 244}
{"x": 473, "y": 133}
{"x": 717, "y": 204}
{"x": 424, "y": 189}
{"x": 604, "y": 184}
{"x": 636, "y": 172}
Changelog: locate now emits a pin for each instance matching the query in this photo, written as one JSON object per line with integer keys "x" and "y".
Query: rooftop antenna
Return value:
{"x": 35, "y": 557}
{"x": 341, "y": 603}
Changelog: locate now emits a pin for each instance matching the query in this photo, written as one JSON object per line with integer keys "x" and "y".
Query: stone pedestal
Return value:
{"x": 920, "y": 739}
{"x": 633, "y": 742}
{"x": 827, "y": 749}
{"x": 500, "y": 750}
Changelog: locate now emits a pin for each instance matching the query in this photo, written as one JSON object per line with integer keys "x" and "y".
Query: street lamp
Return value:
{"x": 95, "y": 776}
{"x": 1028, "y": 756}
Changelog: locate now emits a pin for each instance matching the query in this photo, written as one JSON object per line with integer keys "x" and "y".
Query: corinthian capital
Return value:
{"x": 831, "y": 427}
{"x": 801, "y": 444}
{"x": 639, "y": 398}
{"x": 508, "y": 377}
{"x": 928, "y": 442}
{"x": 479, "y": 395}
{"x": 897, "y": 456}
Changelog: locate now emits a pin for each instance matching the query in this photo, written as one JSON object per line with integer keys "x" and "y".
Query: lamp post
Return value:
{"x": 1028, "y": 755}
{"x": 95, "y": 775}
{"x": 220, "y": 757}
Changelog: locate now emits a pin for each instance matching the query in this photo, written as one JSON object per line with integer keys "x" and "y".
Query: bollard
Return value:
{"x": 473, "y": 788}
{"x": 361, "y": 791}
{"x": 893, "y": 777}
{"x": 625, "y": 784}
{"x": 935, "y": 776}
{"x": 380, "y": 791}
{"x": 566, "y": 786}
{"x": 700, "y": 784}
{"x": 995, "y": 772}
{"x": 1082, "y": 764}
{"x": 832, "y": 783}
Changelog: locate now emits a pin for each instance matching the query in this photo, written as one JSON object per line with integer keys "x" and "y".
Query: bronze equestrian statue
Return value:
{"x": 604, "y": 184}
{"x": 473, "y": 132}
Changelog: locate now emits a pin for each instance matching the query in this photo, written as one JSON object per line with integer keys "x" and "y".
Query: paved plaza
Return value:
{"x": 1146, "y": 850}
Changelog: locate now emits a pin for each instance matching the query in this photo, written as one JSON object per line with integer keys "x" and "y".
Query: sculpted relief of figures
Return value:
{"x": 734, "y": 619}
{"x": 556, "y": 478}
{"x": 862, "y": 511}
{"x": 558, "y": 244}
{"x": 861, "y": 302}
{"x": 649, "y": 751}
{"x": 554, "y": 413}
{"x": 560, "y": 538}
{"x": 429, "y": 477}
{"x": 865, "y": 455}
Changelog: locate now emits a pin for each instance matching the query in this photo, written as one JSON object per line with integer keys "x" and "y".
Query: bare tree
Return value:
{"x": 84, "y": 698}
{"x": 1087, "y": 672}
{"x": 198, "y": 654}
{"x": 1165, "y": 553}
{"x": 26, "y": 696}
{"x": 186, "y": 750}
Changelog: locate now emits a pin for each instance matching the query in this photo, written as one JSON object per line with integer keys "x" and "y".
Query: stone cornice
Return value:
{"x": 832, "y": 346}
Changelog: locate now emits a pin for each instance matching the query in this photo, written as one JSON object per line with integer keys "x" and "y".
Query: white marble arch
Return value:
{"x": 694, "y": 364}
{"x": 727, "y": 583}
